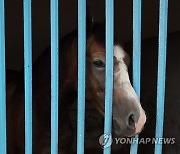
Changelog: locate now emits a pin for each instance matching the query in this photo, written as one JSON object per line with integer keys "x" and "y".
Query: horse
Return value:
{"x": 128, "y": 115}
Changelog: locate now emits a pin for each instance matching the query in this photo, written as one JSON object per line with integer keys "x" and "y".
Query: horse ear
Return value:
{"x": 89, "y": 18}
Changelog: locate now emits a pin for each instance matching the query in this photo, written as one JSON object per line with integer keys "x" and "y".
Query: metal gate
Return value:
{"x": 81, "y": 72}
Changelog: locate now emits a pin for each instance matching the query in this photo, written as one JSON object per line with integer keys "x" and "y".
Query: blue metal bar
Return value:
{"x": 81, "y": 74}
{"x": 28, "y": 75}
{"x": 2, "y": 82}
{"x": 136, "y": 57}
{"x": 161, "y": 72}
{"x": 109, "y": 69}
{"x": 54, "y": 76}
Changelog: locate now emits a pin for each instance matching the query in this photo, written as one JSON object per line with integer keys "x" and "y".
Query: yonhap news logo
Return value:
{"x": 106, "y": 140}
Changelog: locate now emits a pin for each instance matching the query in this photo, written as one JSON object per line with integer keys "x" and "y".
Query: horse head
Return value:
{"x": 128, "y": 115}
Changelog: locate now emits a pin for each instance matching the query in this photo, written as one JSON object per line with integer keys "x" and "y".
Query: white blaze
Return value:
{"x": 122, "y": 77}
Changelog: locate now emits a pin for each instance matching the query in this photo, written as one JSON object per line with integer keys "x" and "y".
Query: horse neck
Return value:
{"x": 42, "y": 66}
{"x": 67, "y": 69}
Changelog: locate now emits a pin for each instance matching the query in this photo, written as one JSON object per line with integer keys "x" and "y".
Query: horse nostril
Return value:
{"x": 131, "y": 121}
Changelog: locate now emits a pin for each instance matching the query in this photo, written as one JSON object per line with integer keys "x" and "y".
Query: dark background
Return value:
{"x": 68, "y": 22}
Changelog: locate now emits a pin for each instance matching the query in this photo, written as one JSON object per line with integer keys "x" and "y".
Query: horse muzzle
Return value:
{"x": 128, "y": 117}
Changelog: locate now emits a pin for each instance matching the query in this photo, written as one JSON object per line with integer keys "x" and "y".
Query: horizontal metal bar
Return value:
{"x": 161, "y": 72}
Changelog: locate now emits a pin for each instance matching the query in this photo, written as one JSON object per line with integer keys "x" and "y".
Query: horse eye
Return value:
{"x": 99, "y": 63}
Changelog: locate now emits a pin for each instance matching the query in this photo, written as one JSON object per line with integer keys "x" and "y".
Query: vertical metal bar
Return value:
{"x": 81, "y": 74}
{"x": 54, "y": 76}
{"x": 136, "y": 57}
{"x": 2, "y": 82}
{"x": 28, "y": 75}
{"x": 161, "y": 72}
{"x": 109, "y": 69}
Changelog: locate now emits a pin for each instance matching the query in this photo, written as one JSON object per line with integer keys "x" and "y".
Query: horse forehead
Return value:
{"x": 119, "y": 53}
{"x": 120, "y": 57}
{"x": 96, "y": 49}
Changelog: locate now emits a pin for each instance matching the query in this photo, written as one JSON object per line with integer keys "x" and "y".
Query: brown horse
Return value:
{"x": 128, "y": 115}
